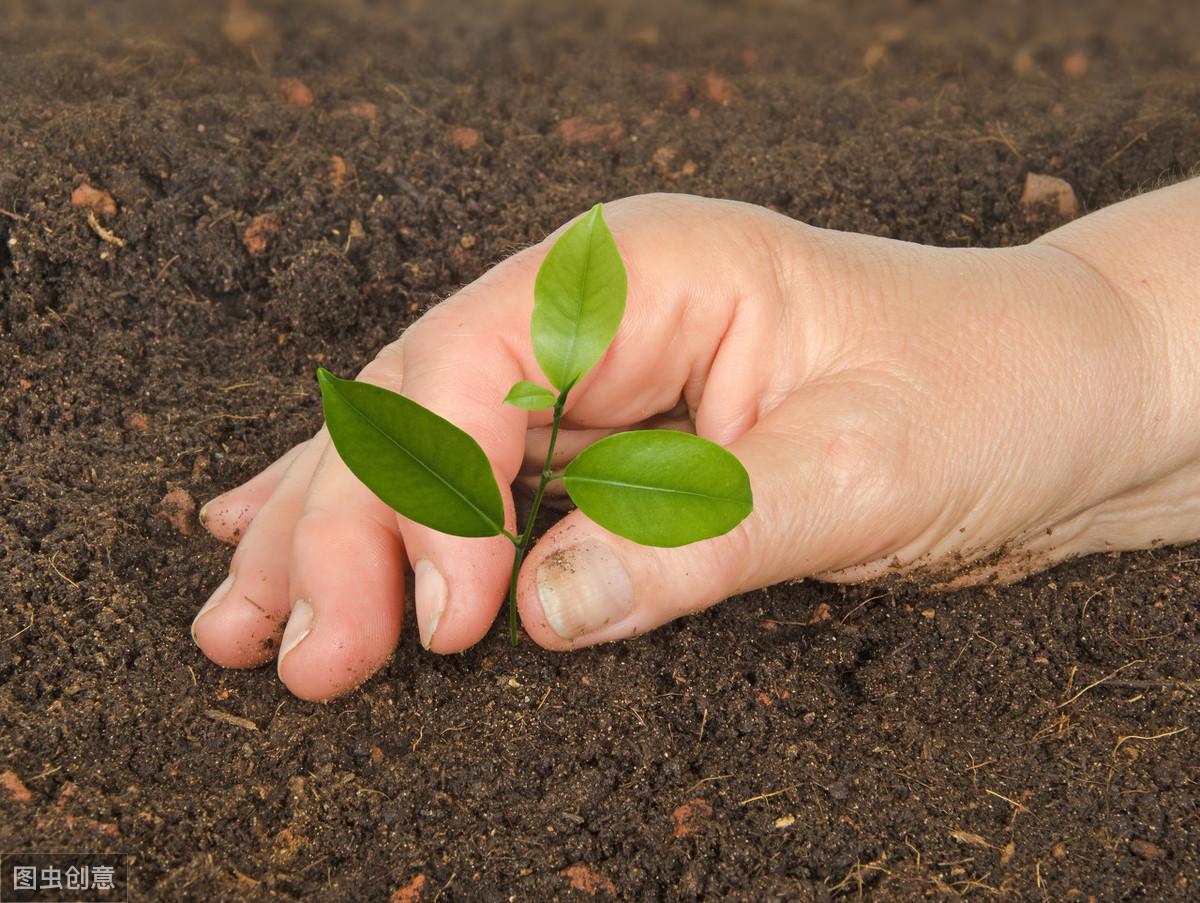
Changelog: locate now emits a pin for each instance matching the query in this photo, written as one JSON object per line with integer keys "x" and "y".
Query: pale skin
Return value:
{"x": 961, "y": 415}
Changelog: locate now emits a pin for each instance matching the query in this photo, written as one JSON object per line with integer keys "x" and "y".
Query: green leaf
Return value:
{"x": 530, "y": 396}
{"x": 578, "y": 300}
{"x": 418, "y": 463}
{"x": 660, "y": 487}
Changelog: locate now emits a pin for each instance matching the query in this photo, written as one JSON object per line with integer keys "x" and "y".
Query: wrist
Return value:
{"x": 1116, "y": 252}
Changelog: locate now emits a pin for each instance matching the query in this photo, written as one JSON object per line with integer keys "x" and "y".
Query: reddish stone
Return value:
{"x": 363, "y": 109}
{"x": 99, "y": 202}
{"x": 1144, "y": 849}
{"x": 664, "y": 156}
{"x": 465, "y": 137}
{"x": 177, "y": 506}
{"x": 717, "y": 90}
{"x": 587, "y": 881}
{"x": 295, "y": 93}
{"x": 258, "y": 233}
{"x": 688, "y": 816}
{"x": 14, "y": 787}
{"x": 822, "y": 612}
{"x": 337, "y": 170}
{"x": 411, "y": 892}
{"x": 1075, "y": 65}
{"x": 578, "y": 130}
{"x": 1041, "y": 190}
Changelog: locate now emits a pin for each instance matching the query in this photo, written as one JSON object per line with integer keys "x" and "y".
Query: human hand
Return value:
{"x": 971, "y": 414}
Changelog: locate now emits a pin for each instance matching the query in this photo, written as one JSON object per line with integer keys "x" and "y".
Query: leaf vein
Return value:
{"x": 647, "y": 488}
{"x": 470, "y": 504}
{"x": 575, "y": 324}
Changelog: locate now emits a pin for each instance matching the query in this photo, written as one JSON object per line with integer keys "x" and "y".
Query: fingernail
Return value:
{"x": 299, "y": 626}
{"x": 583, "y": 588}
{"x": 213, "y": 601}
{"x": 203, "y": 515}
{"x": 431, "y": 599}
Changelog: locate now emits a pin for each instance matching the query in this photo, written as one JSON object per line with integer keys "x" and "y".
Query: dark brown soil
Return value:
{"x": 803, "y": 742}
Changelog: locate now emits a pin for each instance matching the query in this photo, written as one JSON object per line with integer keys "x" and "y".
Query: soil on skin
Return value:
{"x": 801, "y": 742}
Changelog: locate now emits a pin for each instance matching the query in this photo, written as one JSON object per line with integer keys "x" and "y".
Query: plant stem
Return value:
{"x": 522, "y": 542}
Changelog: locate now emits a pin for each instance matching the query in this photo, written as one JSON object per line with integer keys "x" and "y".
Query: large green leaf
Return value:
{"x": 418, "y": 463}
{"x": 529, "y": 396}
{"x": 578, "y": 300}
{"x": 660, "y": 487}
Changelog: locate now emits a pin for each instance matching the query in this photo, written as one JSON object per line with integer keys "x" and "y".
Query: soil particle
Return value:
{"x": 257, "y": 235}
{"x": 14, "y": 787}
{"x": 1075, "y": 65}
{"x": 717, "y": 90}
{"x": 295, "y": 93}
{"x": 338, "y": 169}
{"x": 465, "y": 137}
{"x": 578, "y": 130}
{"x": 1042, "y": 190}
{"x": 689, "y": 817}
{"x": 1144, "y": 849}
{"x": 411, "y": 892}
{"x": 178, "y": 506}
{"x": 94, "y": 199}
{"x": 364, "y": 110}
{"x": 588, "y": 881}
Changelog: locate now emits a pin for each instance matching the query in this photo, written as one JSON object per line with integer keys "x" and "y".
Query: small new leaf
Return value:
{"x": 530, "y": 396}
{"x": 660, "y": 487}
{"x": 418, "y": 463}
{"x": 578, "y": 300}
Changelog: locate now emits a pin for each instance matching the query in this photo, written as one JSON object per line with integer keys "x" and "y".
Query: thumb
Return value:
{"x": 823, "y": 499}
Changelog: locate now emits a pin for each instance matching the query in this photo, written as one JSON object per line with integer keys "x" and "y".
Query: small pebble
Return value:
{"x": 1144, "y": 849}
{"x": 363, "y": 109}
{"x": 295, "y": 93}
{"x": 411, "y": 892}
{"x": 577, "y": 130}
{"x": 822, "y": 612}
{"x": 1075, "y": 65}
{"x": 588, "y": 881}
{"x": 14, "y": 787}
{"x": 689, "y": 816}
{"x": 1042, "y": 189}
{"x": 337, "y": 170}
{"x": 718, "y": 90}
{"x": 259, "y": 232}
{"x": 99, "y": 202}
{"x": 178, "y": 506}
{"x": 465, "y": 137}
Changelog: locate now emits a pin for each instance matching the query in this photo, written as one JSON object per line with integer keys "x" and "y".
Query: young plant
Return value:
{"x": 655, "y": 487}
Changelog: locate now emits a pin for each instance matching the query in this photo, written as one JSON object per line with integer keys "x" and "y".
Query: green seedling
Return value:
{"x": 655, "y": 487}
